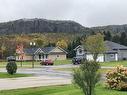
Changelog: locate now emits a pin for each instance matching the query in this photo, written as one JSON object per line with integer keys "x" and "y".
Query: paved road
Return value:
{"x": 15, "y": 83}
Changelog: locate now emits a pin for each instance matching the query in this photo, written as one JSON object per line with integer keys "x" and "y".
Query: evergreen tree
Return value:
{"x": 108, "y": 36}
{"x": 116, "y": 39}
{"x": 123, "y": 38}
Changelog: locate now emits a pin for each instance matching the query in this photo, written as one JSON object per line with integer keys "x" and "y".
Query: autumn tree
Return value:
{"x": 39, "y": 42}
{"x": 95, "y": 45}
{"x": 3, "y": 48}
{"x": 62, "y": 44}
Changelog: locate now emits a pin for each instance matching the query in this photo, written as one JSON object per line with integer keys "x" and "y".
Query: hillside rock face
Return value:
{"x": 27, "y": 26}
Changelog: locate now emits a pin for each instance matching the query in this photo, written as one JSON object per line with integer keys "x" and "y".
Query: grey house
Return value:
{"x": 114, "y": 52}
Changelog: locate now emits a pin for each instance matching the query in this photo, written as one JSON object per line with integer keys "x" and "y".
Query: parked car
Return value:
{"x": 11, "y": 58}
{"x": 47, "y": 62}
{"x": 76, "y": 60}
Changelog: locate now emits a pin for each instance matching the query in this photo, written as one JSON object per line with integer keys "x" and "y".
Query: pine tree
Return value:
{"x": 123, "y": 38}
{"x": 108, "y": 36}
{"x": 116, "y": 39}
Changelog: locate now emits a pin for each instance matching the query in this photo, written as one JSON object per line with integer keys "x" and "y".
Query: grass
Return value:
{"x": 60, "y": 90}
{"x": 62, "y": 62}
{"x": 113, "y": 64}
{"x": 37, "y": 64}
{"x": 6, "y": 75}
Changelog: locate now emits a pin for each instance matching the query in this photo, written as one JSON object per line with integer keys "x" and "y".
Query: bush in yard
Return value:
{"x": 11, "y": 67}
{"x": 86, "y": 76}
{"x": 117, "y": 78}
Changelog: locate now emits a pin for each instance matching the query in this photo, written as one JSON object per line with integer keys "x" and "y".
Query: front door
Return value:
{"x": 40, "y": 57}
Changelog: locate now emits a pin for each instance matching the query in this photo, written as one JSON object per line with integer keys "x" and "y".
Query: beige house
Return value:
{"x": 52, "y": 53}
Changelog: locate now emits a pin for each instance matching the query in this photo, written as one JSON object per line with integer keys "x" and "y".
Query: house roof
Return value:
{"x": 30, "y": 50}
{"x": 114, "y": 46}
{"x": 111, "y": 47}
{"x": 80, "y": 46}
{"x": 45, "y": 50}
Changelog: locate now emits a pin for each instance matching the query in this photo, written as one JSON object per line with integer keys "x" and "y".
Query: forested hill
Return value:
{"x": 111, "y": 28}
{"x": 27, "y": 26}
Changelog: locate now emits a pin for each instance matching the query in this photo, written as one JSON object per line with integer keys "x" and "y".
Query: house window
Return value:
{"x": 112, "y": 56}
{"x": 80, "y": 51}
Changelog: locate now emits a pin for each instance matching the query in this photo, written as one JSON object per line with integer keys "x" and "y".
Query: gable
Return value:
{"x": 79, "y": 47}
{"x": 38, "y": 51}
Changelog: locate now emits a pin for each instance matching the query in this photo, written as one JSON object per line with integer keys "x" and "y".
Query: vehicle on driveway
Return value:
{"x": 76, "y": 60}
{"x": 47, "y": 62}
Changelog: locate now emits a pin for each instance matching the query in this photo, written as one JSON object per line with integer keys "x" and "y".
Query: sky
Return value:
{"x": 89, "y": 13}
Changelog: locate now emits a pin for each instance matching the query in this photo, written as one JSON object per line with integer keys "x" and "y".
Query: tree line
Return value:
{"x": 118, "y": 38}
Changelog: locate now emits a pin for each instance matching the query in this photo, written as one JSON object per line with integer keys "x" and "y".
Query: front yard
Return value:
{"x": 37, "y": 64}
{"x": 114, "y": 64}
{"x": 60, "y": 90}
{"x": 6, "y": 75}
{"x": 62, "y": 62}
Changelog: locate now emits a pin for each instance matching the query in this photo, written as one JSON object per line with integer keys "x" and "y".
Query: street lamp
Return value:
{"x": 32, "y": 44}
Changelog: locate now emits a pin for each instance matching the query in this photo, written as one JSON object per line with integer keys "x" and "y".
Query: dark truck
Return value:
{"x": 76, "y": 60}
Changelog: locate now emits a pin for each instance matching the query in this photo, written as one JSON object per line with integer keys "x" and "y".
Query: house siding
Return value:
{"x": 25, "y": 58}
{"x": 99, "y": 59}
{"x": 57, "y": 56}
{"x": 111, "y": 57}
{"x": 122, "y": 54}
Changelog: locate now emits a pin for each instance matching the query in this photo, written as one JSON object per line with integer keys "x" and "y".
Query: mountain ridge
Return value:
{"x": 40, "y": 25}
{"x": 36, "y": 25}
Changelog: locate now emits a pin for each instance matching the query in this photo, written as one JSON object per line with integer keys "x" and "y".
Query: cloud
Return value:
{"x": 86, "y": 12}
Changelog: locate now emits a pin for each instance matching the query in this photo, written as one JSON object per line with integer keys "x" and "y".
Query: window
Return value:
{"x": 57, "y": 55}
{"x": 80, "y": 51}
{"x": 112, "y": 56}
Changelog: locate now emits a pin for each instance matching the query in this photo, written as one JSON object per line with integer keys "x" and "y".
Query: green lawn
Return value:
{"x": 60, "y": 90}
{"x": 6, "y": 75}
{"x": 112, "y": 64}
{"x": 37, "y": 64}
{"x": 61, "y": 62}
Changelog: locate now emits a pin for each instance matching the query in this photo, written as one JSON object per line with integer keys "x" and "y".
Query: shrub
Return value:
{"x": 86, "y": 76}
{"x": 11, "y": 67}
{"x": 117, "y": 78}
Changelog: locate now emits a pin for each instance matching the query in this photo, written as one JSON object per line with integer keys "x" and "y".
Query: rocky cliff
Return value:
{"x": 27, "y": 26}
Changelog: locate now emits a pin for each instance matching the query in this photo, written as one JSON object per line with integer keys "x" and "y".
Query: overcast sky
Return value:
{"x": 85, "y": 12}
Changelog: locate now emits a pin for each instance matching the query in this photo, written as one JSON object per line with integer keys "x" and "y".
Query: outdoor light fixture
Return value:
{"x": 32, "y": 44}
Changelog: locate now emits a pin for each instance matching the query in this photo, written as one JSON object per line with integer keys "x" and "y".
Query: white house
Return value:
{"x": 114, "y": 52}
